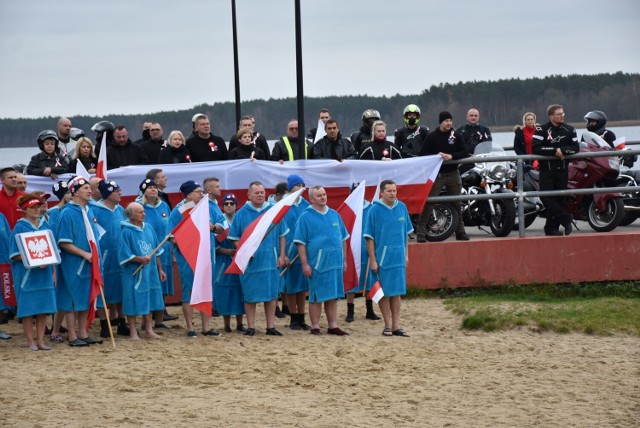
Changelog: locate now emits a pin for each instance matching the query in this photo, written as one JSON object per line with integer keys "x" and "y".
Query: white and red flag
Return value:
{"x": 192, "y": 237}
{"x": 258, "y": 229}
{"x": 351, "y": 213}
{"x": 320, "y": 132}
{"x": 376, "y": 292}
{"x": 96, "y": 275}
{"x": 81, "y": 171}
{"x": 101, "y": 168}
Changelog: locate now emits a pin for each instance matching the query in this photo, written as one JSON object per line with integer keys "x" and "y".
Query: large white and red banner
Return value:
{"x": 413, "y": 176}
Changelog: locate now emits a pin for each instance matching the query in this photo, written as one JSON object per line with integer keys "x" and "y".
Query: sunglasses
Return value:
{"x": 229, "y": 204}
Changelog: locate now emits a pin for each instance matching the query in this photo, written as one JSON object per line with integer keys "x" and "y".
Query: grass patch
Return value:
{"x": 592, "y": 308}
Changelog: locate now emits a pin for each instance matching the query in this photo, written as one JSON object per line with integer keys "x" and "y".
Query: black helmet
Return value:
{"x": 599, "y": 117}
{"x": 369, "y": 114}
{"x": 46, "y": 135}
{"x": 103, "y": 125}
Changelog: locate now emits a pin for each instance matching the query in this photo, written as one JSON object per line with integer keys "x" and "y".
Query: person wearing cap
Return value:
{"x": 9, "y": 195}
{"x": 75, "y": 268}
{"x": 5, "y": 243}
{"x": 160, "y": 178}
{"x": 157, "y": 217}
{"x": 192, "y": 192}
{"x": 142, "y": 292}
{"x": 295, "y": 283}
{"x": 110, "y": 215}
{"x": 249, "y": 122}
{"x": 260, "y": 281}
{"x": 227, "y": 290}
{"x": 47, "y": 163}
{"x": 321, "y": 237}
{"x": 387, "y": 230}
{"x": 35, "y": 295}
{"x": 202, "y": 144}
{"x": 287, "y": 148}
{"x": 447, "y": 143}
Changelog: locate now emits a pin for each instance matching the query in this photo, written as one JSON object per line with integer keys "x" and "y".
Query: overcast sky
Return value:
{"x": 89, "y": 57}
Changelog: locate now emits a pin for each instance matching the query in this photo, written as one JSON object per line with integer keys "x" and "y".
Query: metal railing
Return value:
{"x": 520, "y": 195}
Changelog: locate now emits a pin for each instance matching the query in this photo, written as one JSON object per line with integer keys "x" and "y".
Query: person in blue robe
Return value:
{"x": 321, "y": 237}
{"x": 227, "y": 290}
{"x": 142, "y": 292}
{"x": 211, "y": 186}
{"x": 34, "y": 287}
{"x": 387, "y": 232}
{"x": 157, "y": 214}
{"x": 110, "y": 215}
{"x": 296, "y": 285}
{"x": 260, "y": 281}
{"x": 5, "y": 234}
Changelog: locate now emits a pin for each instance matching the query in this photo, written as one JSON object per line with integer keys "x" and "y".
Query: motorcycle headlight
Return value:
{"x": 498, "y": 172}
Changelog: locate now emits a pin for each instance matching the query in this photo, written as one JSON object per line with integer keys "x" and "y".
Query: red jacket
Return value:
{"x": 9, "y": 207}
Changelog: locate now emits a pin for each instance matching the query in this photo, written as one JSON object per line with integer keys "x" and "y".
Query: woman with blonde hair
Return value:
{"x": 176, "y": 151}
{"x": 84, "y": 154}
{"x": 524, "y": 134}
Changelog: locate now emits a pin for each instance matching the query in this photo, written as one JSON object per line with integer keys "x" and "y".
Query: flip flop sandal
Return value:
{"x": 387, "y": 332}
{"x": 400, "y": 332}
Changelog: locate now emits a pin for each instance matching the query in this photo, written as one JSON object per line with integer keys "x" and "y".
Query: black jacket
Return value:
{"x": 376, "y": 150}
{"x": 88, "y": 163}
{"x": 42, "y": 160}
{"x": 361, "y": 138}
{"x": 128, "y": 154}
{"x": 170, "y": 154}
{"x": 474, "y": 135}
{"x": 280, "y": 151}
{"x": 549, "y": 138}
{"x": 152, "y": 149}
{"x": 244, "y": 152}
{"x": 340, "y": 149}
{"x": 409, "y": 141}
{"x": 212, "y": 148}
{"x": 450, "y": 142}
{"x": 260, "y": 141}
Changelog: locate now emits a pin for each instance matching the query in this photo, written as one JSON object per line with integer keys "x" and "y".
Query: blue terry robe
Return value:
{"x": 186, "y": 274}
{"x": 295, "y": 281}
{"x": 142, "y": 293}
{"x": 323, "y": 234}
{"x": 73, "y": 291}
{"x": 157, "y": 217}
{"x": 5, "y": 235}
{"x": 34, "y": 288}
{"x": 364, "y": 258}
{"x": 110, "y": 221}
{"x": 389, "y": 228}
{"x": 260, "y": 281}
{"x": 227, "y": 290}
{"x": 217, "y": 219}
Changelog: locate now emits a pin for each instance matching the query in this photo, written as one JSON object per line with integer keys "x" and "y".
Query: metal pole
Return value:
{"x": 236, "y": 67}
{"x": 301, "y": 132}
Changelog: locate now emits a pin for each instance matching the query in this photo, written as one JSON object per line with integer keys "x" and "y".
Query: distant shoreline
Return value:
{"x": 578, "y": 125}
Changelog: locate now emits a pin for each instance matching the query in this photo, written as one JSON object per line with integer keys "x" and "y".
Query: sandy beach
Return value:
{"x": 440, "y": 376}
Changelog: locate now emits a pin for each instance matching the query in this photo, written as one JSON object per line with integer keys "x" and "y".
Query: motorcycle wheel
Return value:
{"x": 504, "y": 219}
{"x": 442, "y": 223}
{"x": 607, "y": 220}
{"x": 629, "y": 216}
{"x": 528, "y": 220}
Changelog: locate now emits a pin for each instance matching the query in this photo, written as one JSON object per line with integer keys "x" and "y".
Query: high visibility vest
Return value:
{"x": 290, "y": 151}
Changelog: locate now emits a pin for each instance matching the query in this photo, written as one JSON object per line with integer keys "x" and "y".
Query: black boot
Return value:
{"x": 370, "y": 314}
{"x": 294, "y": 324}
{"x": 279, "y": 313}
{"x": 350, "y": 312}
{"x": 285, "y": 309}
{"x": 303, "y": 325}
{"x": 104, "y": 328}
{"x": 123, "y": 328}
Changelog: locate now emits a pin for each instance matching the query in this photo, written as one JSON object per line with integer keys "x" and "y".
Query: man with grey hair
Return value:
{"x": 202, "y": 144}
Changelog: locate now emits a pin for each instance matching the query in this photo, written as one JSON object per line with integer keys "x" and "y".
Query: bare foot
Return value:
{"x": 32, "y": 347}
{"x": 152, "y": 336}
{"x": 136, "y": 337}
{"x": 43, "y": 347}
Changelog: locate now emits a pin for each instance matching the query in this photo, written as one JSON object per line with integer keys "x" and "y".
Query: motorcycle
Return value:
{"x": 603, "y": 211}
{"x": 628, "y": 178}
{"x": 489, "y": 178}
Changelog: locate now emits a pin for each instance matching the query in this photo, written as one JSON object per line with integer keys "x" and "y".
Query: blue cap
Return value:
{"x": 230, "y": 197}
{"x": 293, "y": 180}
{"x": 146, "y": 184}
{"x": 188, "y": 187}
{"x": 106, "y": 188}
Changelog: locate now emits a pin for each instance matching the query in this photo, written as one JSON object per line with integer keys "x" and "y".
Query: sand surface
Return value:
{"x": 440, "y": 376}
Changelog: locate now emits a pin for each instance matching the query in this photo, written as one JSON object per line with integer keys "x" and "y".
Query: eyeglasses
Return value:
{"x": 293, "y": 129}
{"x": 228, "y": 204}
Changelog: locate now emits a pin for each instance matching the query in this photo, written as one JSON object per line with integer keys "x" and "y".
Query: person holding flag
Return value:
{"x": 295, "y": 283}
{"x": 321, "y": 237}
{"x": 142, "y": 292}
{"x": 387, "y": 230}
{"x": 260, "y": 281}
{"x": 76, "y": 231}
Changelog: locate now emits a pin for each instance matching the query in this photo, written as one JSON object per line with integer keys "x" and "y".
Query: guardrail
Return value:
{"x": 520, "y": 194}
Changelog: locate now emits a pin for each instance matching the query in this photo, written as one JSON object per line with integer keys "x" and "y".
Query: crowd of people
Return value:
{"x": 294, "y": 262}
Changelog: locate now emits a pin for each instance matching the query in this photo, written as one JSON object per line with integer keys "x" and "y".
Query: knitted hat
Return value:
{"x": 293, "y": 180}
{"x": 146, "y": 184}
{"x": 75, "y": 183}
{"x": 60, "y": 188}
{"x": 188, "y": 187}
{"x": 444, "y": 115}
{"x": 106, "y": 188}
{"x": 230, "y": 197}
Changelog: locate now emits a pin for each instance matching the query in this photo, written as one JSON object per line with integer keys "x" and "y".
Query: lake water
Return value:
{"x": 16, "y": 155}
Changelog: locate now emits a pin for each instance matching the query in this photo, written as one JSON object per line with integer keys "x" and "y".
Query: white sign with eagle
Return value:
{"x": 38, "y": 248}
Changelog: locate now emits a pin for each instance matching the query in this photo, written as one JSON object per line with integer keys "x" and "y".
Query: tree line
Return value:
{"x": 500, "y": 102}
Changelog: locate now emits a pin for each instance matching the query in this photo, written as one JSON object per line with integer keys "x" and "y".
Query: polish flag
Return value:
{"x": 101, "y": 168}
{"x": 222, "y": 236}
{"x": 320, "y": 132}
{"x": 81, "y": 171}
{"x": 186, "y": 208}
{"x": 376, "y": 292}
{"x": 192, "y": 237}
{"x": 96, "y": 277}
{"x": 351, "y": 213}
{"x": 258, "y": 229}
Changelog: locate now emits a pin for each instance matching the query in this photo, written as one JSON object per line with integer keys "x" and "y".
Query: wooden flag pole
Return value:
{"x": 106, "y": 310}
{"x": 155, "y": 250}
{"x": 366, "y": 280}
{"x": 285, "y": 269}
